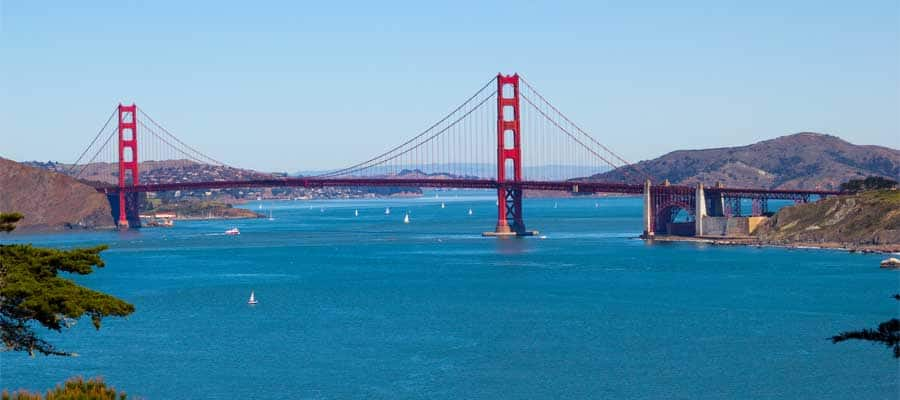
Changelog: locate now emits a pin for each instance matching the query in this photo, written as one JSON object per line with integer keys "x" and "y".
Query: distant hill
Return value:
{"x": 799, "y": 161}
{"x": 151, "y": 172}
{"x": 49, "y": 200}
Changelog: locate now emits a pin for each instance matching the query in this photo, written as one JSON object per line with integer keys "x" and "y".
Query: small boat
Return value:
{"x": 891, "y": 263}
{"x": 260, "y": 207}
{"x": 470, "y": 211}
{"x": 406, "y": 218}
{"x": 355, "y": 213}
{"x": 233, "y": 232}
{"x": 252, "y": 299}
{"x": 443, "y": 205}
{"x": 387, "y": 211}
{"x": 555, "y": 204}
{"x": 271, "y": 218}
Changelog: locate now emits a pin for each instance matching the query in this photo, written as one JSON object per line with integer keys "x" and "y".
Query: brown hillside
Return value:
{"x": 50, "y": 201}
{"x": 799, "y": 161}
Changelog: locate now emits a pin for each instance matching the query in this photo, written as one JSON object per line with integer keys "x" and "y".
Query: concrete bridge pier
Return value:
{"x": 648, "y": 212}
{"x": 700, "y": 210}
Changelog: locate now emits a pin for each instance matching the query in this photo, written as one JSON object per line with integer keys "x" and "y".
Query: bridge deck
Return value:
{"x": 563, "y": 186}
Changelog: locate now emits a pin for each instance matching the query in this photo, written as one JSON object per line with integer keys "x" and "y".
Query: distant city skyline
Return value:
{"x": 288, "y": 87}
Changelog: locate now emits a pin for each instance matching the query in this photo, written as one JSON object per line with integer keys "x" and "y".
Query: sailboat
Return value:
{"x": 355, "y": 213}
{"x": 270, "y": 216}
{"x": 470, "y": 211}
{"x": 443, "y": 205}
{"x": 252, "y": 299}
{"x": 387, "y": 211}
{"x": 406, "y": 218}
{"x": 555, "y": 205}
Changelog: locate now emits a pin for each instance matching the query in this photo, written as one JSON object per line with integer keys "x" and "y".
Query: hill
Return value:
{"x": 799, "y": 161}
{"x": 49, "y": 200}
{"x": 867, "y": 220}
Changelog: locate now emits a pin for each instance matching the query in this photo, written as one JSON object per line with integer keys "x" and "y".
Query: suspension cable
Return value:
{"x": 197, "y": 152}
{"x": 72, "y": 167}
{"x": 423, "y": 133}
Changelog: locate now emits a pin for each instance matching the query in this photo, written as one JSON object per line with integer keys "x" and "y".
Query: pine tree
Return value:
{"x": 31, "y": 291}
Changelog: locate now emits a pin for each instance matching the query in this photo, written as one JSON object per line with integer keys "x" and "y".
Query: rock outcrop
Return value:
{"x": 868, "y": 220}
{"x": 50, "y": 201}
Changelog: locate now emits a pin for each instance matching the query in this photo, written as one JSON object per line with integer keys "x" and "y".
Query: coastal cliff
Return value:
{"x": 865, "y": 221}
{"x": 50, "y": 201}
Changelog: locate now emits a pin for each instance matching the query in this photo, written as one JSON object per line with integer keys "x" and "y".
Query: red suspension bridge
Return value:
{"x": 506, "y": 137}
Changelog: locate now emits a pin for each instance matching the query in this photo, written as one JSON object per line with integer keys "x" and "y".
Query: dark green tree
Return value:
{"x": 31, "y": 291}
{"x": 888, "y": 334}
{"x": 870, "y": 183}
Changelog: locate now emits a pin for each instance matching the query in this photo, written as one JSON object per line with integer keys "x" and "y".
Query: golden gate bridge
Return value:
{"x": 505, "y": 137}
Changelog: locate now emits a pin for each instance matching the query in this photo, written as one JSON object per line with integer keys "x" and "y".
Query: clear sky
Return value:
{"x": 308, "y": 85}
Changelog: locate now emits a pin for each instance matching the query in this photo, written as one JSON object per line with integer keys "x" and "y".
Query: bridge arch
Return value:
{"x": 666, "y": 216}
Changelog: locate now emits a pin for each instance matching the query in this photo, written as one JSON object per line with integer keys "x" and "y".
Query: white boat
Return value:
{"x": 355, "y": 213}
{"x": 233, "y": 231}
{"x": 406, "y": 218}
{"x": 555, "y": 205}
{"x": 252, "y": 299}
{"x": 387, "y": 211}
{"x": 260, "y": 206}
{"x": 470, "y": 211}
{"x": 443, "y": 205}
{"x": 271, "y": 218}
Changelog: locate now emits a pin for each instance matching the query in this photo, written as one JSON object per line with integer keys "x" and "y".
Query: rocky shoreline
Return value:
{"x": 751, "y": 241}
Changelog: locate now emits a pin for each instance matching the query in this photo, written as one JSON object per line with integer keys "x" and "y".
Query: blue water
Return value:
{"x": 368, "y": 307}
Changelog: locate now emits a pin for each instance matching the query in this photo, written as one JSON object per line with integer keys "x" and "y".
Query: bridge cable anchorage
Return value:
{"x": 88, "y": 148}
{"x": 366, "y": 164}
{"x": 197, "y": 152}
{"x": 583, "y": 132}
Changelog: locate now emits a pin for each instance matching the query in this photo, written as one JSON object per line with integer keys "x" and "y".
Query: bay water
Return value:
{"x": 369, "y": 307}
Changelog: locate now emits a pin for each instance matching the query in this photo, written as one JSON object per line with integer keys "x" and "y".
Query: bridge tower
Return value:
{"x": 128, "y": 160}
{"x": 509, "y": 160}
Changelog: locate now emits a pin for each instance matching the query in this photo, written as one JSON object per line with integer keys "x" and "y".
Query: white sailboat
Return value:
{"x": 387, "y": 211}
{"x": 555, "y": 204}
{"x": 470, "y": 211}
{"x": 356, "y": 213}
{"x": 406, "y": 218}
{"x": 443, "y": 205}
{"x": 252, "y": 299}
{"x": 271, "y": 218}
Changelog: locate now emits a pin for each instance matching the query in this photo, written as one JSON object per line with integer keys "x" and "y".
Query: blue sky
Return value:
{"x": 299, "y": 86}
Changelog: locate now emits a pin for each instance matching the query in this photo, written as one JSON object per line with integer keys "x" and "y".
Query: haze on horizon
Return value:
{"x": 287, "y": 87}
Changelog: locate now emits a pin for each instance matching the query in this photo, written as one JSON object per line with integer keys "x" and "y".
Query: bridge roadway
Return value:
{"x": 562, "y": 186}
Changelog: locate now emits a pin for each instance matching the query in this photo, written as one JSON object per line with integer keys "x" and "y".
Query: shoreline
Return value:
{"x": 752, "y": 241}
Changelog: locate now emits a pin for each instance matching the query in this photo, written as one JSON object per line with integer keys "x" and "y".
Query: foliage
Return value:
{"x": 888, "y": 333}
{"x": 76, "y": 388}
{"x": 870, "y": 183}
{"x": 8, "y": 221}
{"x": 31, "y": 291}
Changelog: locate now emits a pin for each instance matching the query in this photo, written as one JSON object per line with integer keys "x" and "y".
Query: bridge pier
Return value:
{"x": 700, "y": 210}
{"x": 649, "y": 211}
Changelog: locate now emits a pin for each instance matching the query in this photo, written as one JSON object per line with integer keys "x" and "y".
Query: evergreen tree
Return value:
{"x": 31, "y": 291}
{"x": 888, "y": 334}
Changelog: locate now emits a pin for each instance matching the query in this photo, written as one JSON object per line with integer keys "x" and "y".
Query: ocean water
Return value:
{"x": 369, "y": 307}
